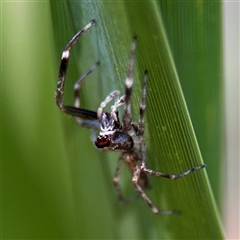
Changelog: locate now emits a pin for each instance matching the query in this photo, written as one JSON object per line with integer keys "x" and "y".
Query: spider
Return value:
{"x": 114, "y": 135}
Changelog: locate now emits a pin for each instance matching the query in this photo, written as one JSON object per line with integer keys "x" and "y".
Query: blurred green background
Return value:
{"x": 55, "y": 184}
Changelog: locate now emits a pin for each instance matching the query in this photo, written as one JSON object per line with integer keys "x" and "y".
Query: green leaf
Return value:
{"x": 56, "y": 184}
{"x": 198, "y": 61}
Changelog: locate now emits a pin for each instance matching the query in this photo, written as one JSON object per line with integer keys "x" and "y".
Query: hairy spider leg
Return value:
{"x": 127, "y": 117}
{"x": 155, "y": 210}
{"x": 143, "y": 105}
{"x": 118, "y": 103}
{"x": 161, "y": 174}
{"x": 77, "y": 85}
{"x": 116, "y": 183}
{"x": 142, "y": 167}
{"x": 74, "y": 111}
{"x": 172, "y": 176}
{"x": 84, "y": 122}
{"x": 104, "y": 103}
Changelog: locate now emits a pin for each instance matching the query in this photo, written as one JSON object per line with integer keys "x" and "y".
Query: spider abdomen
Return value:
{"x": 115, "y": 141}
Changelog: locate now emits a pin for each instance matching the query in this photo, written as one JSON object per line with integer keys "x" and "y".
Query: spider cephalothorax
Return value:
{"x": 117, "y": 140}
{"x": 115, "y": 135}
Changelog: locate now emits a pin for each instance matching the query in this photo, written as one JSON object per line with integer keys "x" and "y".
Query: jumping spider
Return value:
{"x": 115, "y": 135}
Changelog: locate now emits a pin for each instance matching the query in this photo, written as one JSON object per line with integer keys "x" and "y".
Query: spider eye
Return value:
{"x": 102, "y": 141}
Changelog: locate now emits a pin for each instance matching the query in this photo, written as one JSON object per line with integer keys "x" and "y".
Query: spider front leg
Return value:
{"x": 142, "y": 105}
{"x": 81, "y": 121}
{"x": 79, "y": 82}
{"x": 88, "y": 116}
{"x": 127, "y": 116}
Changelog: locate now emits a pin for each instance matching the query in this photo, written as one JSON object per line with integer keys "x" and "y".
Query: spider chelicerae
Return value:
{"x": 126, "y": 136}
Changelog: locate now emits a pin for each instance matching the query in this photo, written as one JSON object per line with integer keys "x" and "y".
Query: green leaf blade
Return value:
{"x": 56, "y": 184}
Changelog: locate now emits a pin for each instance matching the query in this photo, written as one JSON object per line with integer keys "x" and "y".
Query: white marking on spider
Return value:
{"x": 65, "y": 55}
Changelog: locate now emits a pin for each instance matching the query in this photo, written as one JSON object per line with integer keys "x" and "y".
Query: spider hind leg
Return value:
{"x": 155, "y": 210}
